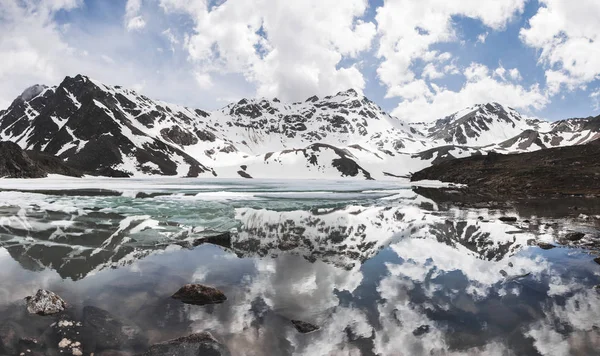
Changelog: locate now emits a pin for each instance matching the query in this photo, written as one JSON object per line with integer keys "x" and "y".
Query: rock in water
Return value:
{"x": 304, "y": 327}
{"x": 193, "y": 345}
{"x": 507, "y": 218}
{"x": 198, "y": 294}
{"x": 574, "y": 236}
{"x": 421, "y": 330}
{"x": 10, "y": 332}
{"x": 545, "y": 246}
{"x": 105, "y": 331}
{"x": 45, "y": 302}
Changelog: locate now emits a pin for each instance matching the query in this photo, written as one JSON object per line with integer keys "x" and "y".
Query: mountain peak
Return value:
{"x": 350, "y": 92}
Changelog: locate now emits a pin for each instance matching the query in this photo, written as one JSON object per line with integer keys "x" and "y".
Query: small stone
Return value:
{"x": 421, "y": 330}
{"x": 304, "y": 327}
{"x": 503, "y": 273}
{"x": 510, "y": 264}
{"x": 64, "y": 343}
{"x": 45, "y": 302}
{"x": 198, "y": 294}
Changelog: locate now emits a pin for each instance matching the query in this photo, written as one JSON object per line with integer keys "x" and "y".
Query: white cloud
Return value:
{"x": 480, "y": 87}
{"x": 171, "y": 38}
{"x": 482, "y": 37}
{"x": 288, "y": 49}
{"x": 35, "y": 49}
{"x": 107, "y": 59}
{"x": 133, "y": 20}
{"x": 135, "y": 24}
{"x": 568, "y": 36}
{"x": 476, "y": 71}
{"x": 500, "y": 72}
{"x": 30, "y": 45}
{"x": 203, "y": 79}
{"x": 595, "y": 96}
{"x": 431, "y": 72}
{"x": 407, "y": 31}
{"x": 515, "y": 74}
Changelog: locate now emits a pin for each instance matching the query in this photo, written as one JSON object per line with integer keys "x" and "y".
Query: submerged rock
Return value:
{"x": 45, "y": 302}
{"x": 597, "y": 260}
{"x": 31, "y": 347}
{"x": 105, "y": 331}
{"x": 10, "y": 333}
{"x": 64, "y": 336}
{"x": 200, "y": 344}
{"x": 421, "y": 330}
{"x": 304, "y": 327}
{"x": 199, "y": 294}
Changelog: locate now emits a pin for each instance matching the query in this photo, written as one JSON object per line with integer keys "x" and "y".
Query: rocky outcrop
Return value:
{"x": 570, "y": 170}
{"x": 17, "y": 163}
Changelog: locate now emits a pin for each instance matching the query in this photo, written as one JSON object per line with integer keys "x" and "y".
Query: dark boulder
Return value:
{"x": 244, "y": 175}
{"x": 421, "y": 330}
{"x": 508, "y": 218}
{"x": 574, "y": 236}
{"x": 198, "y": 294}
{"x": 545, "y": 246}
{"x": 304, "y": 327}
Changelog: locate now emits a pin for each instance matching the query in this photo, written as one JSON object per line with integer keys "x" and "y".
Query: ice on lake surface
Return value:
{"x": 381, "y": 268}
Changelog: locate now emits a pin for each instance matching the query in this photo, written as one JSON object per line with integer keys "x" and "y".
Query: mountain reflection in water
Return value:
{"x": 385, "y": 271}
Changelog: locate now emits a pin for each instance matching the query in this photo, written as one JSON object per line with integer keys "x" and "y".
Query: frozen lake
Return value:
{"x": 380, "y": 269}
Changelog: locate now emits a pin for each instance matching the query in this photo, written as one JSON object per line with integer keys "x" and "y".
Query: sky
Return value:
{"x": 418, "y": 59}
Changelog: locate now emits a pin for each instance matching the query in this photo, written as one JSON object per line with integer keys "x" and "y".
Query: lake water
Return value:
{"x": 380, "y": 269}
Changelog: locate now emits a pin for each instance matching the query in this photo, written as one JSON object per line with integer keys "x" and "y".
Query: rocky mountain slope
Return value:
{"x": 17, "y": 163}
{"x": 573, "y": 170}
{"x": 113, "y": 131}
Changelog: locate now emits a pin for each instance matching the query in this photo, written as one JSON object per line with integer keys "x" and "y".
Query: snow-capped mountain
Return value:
{"x": 110, "y": 130}
{"x": 483, "y": 125}
{"x": 561, "y": 133}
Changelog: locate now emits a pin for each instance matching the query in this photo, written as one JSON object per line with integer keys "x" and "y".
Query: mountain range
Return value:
{"x": 108, "y": 130}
